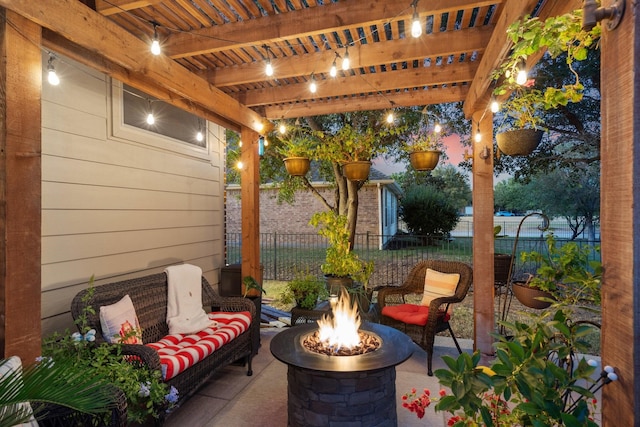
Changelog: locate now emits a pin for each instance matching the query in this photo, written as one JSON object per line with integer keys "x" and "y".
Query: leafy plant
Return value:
{"x": 538, "y": 379}
{"x": 296, "y": 142}
{"x": 567, "y": 272}
{"x": 349, "y": 144}
{"x": 340, "y": 261}
{"x": 427, "y": 212}
{"x": 305, "y": 289}
{"x": 146, "y": 394}
{"x": 60, "y": 383}
{"x": 558, "y": 35}
{"x": 252, "y": 284}
{"x": 423, "y": 138}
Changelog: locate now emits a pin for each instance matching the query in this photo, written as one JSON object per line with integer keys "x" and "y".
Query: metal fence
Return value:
{"x": 284, "y": 255}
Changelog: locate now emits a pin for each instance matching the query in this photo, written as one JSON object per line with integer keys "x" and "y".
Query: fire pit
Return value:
{"x": 358, "y": 390}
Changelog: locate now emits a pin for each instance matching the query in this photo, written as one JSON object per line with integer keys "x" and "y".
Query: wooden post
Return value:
{"x": 620, "y": 216}
{"x": 483, "y": 244}
{"x": 250, "y": 206}
{"x": 20, "y": 189}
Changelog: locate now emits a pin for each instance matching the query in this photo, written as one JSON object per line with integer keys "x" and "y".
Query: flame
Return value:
{"x": 341, "y": 329}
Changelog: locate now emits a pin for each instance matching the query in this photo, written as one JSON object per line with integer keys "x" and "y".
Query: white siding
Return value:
{"x": 118, "y": 202}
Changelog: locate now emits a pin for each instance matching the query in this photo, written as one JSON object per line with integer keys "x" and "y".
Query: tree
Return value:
{"x": 428, "y": 212}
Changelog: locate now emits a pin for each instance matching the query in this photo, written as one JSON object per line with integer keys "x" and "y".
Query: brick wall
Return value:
{"x": 286, "y": 218}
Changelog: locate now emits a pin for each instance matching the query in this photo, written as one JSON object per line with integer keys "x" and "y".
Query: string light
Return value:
{"x": 521, "y": 77}
{"x": 268, "y": 70}
{"x": 345, "y": 59}
{"x": 155, "y": 44}
{"x": 495, "y": 106}
{"x": 334, "y": 69}
{"x": 239, "y": 165}
{"x": 52, "y": 77}
{"x": 478, "y": 135}
{"x": 282, "y": 128}
{"x": 390, "y": 117}
{"x": 150, "y": 119}
{"x": 416, "y": 28}
{"x": 313, "y": 87}
{"x": 437, "y": 128}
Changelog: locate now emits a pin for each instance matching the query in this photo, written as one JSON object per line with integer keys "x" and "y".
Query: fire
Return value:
{"x": 341, "y": 329}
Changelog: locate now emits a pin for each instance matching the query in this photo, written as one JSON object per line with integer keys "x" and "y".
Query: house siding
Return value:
{"x": 116, "y": 202}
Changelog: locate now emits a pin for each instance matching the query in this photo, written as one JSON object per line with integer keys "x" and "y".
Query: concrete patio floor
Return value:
{"x": 232, "y": 399}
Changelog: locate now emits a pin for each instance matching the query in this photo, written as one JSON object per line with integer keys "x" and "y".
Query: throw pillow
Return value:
{"x": 8, "y": 366}
{"x": 437, "y": 284}
{"x": 120, "y": 323}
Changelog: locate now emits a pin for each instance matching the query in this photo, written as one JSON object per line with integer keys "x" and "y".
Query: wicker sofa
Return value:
{"x": 149, "y": 297}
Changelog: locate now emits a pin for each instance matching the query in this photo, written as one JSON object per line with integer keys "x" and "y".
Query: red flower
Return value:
{"x": 443, "y": 393}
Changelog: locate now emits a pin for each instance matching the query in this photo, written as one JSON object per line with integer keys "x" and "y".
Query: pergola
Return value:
{"x": 213, "y": 65}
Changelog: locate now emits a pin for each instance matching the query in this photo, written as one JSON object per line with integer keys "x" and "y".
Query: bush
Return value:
{"x": 427, "y": 212}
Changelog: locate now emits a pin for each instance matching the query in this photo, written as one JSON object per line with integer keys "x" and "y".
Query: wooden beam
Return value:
{"x": 57, "y": 43}
{"x": 250, "y": 205}
{"x": 20, "y": 187}
{"x": 332, "y": 17}
{"x": 406, "y": 98}
{"x": 78, "y": 23}
{"x": 620, "y": 217}
{"x": 362, "y": 84}
{"x": 384, "y": 52}
{"x": 494, "y": 55}
{"x": 112, "y": 7}
{"x": 483, "y": 239}
{"x": 498, "y": 47}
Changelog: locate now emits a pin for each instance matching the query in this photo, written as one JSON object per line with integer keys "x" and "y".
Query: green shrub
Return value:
{"x": 427, "y": 212}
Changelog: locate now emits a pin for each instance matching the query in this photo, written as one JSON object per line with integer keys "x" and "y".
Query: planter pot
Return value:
{"x": 297, "y": 166}
{"x": 528, "y": 296}
{"x": 424, "y": 160}
{"x": 501, "y": 264}
{"x": 357, "y": 171}
{"x": 519, "y": 142}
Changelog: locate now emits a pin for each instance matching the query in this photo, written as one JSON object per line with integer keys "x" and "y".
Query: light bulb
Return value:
{"x": 416, "y": 27}
{"x": 150, "y": 119}
{"x": 478, "y": 137}
{"x": 282, "y": 128}
{"x": 199, "y": 136}
{"x": 239, "y": 165}
{"x": 313, "y": 87}
{"x": 155, "y": 44}
{"x": 52, "y": 77}
{"x": 390, "y": 117}
{"x": 260, "y": 126}
{"x": 155, "y": 47}
{"x": 239, "y": 143}
{"x": 268, "y": 69}
{"x": 345, "y": 60}
{"x": 495, "y": 106}
{"x": 521, "y": 78}
{"x": 266, "y": 142}
{"x": 437, "y": 128}
{"x": 334, "y": 70}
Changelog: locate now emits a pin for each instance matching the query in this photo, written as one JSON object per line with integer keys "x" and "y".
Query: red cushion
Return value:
{"x": 410, "y": 313}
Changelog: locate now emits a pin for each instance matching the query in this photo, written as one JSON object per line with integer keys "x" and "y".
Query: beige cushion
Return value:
{"x": 120, "y": 323}
{"x": 437, "y": 284}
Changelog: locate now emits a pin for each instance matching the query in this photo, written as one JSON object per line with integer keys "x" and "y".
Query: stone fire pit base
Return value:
{"x": 324, "y": 399}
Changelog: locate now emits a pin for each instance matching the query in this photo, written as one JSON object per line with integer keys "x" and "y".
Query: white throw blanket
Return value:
{"x": 184, "y": 300}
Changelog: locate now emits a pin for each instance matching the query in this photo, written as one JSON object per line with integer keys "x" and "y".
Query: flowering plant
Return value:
{"x": 537, "y": 379}
{"x": 147, "y": 396}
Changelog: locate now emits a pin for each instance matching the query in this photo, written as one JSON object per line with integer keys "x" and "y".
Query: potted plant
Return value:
{"x": 306, "y": 290}
{"x": 342, "y": 266}
{"x": 354, "y": 149}
{"x": 558, "y": 35}
{"x": 297, "y": 149}
{"x": 424, "y": 147}
{"x": 565, "y": 273}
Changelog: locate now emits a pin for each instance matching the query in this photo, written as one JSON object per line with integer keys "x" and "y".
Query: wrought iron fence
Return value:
{"x": 283, "y": 255}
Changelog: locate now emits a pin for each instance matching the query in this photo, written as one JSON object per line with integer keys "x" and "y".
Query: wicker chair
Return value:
{"x": 437, "y": 320}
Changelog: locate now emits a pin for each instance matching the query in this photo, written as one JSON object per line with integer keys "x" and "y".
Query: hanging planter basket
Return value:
{"x": 519, "y": 142}
{"x": 357, "y": 171}
{"x": 528, "y": 296}
{"x": 297, "y": 166}
{"x": 424, "y": 160}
